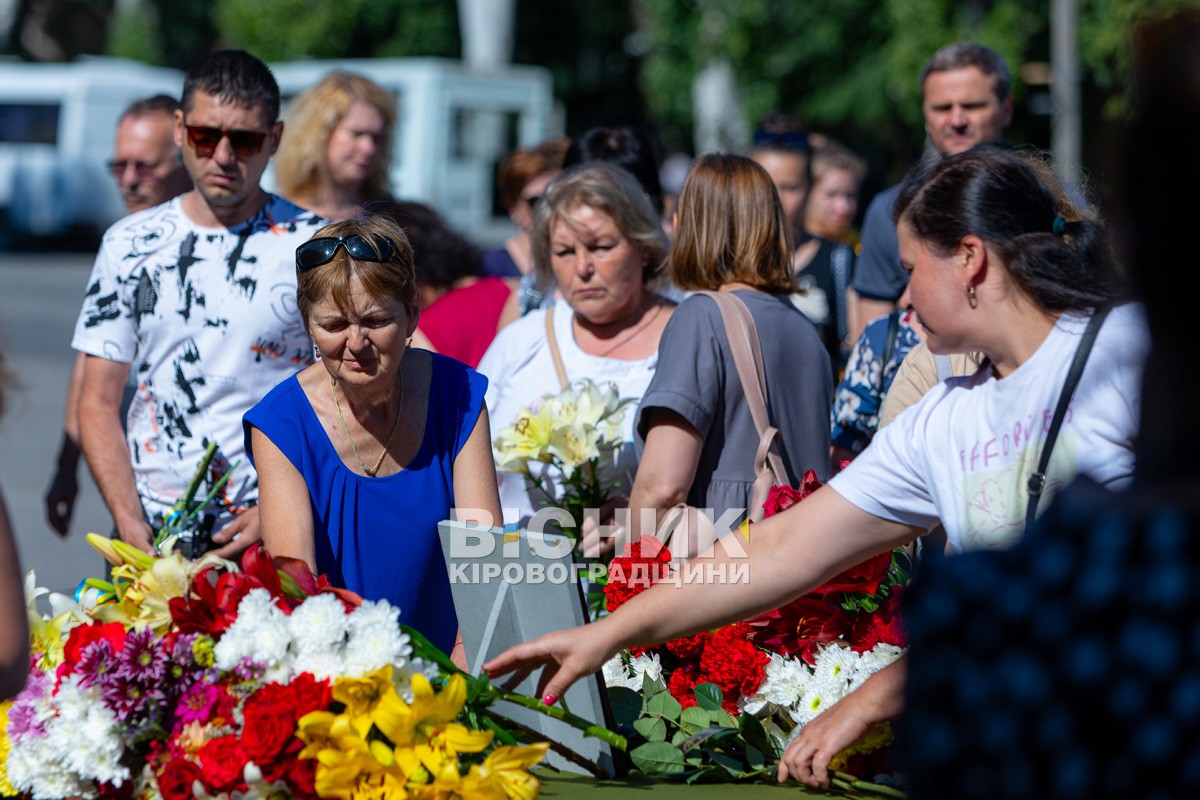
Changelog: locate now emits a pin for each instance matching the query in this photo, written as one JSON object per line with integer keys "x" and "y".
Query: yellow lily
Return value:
{"x": 505, "y": 773}
{"x": 362, "y": 696}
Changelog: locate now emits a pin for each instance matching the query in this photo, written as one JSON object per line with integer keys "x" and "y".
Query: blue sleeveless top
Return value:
{"x": 378, "y": 536}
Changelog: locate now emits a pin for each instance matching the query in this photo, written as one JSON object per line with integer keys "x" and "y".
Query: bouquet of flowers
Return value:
{"x": 571, "y": 436}
{"x": 724, "y": 704}
{"x": 185, "y": 679}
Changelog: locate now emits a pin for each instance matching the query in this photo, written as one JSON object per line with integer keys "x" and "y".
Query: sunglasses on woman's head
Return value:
{"x": 321, "y": 250}
{"x": 206, "y": 140}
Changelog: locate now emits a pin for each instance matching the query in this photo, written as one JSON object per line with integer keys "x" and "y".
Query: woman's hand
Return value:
{"x": 850, "y": 719}
{"x": 592, "y": 544}
{"x": 567, "y": 655}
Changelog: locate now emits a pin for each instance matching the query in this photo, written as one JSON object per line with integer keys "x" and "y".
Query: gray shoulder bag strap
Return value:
{"x": 552, "y": 340}
{"x": 1037, "y": 481}
{"x": 747, "y": 357}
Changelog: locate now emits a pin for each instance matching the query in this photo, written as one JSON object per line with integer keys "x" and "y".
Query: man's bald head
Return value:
{"x": 146, "y": 163}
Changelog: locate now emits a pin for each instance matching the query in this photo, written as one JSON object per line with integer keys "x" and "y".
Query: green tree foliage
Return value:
{"x": 851, "y": 67}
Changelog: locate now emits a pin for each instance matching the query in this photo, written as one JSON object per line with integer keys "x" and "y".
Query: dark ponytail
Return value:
{"x": 1060, "y": 257}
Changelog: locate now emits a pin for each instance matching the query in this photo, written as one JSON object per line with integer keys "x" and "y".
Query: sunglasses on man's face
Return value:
{"x": 321, "y": 250}
{"x": 205, "y": 141}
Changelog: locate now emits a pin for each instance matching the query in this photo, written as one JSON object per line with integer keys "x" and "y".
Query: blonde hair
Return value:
{"x": 395, "y": 278}
{"x": 833, "y": 155}
{"x": 311, "y": 118}
{"x": 731, "y": 228}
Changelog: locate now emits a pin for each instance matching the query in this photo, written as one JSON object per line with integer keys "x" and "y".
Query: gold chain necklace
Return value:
{"x": 396, "y": 423}
{"x": 632, "y": 336}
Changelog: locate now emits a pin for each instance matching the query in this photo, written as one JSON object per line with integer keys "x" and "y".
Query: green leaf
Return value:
{"x": 715, "y": 733}
{"x": 664, "y": 705}
{"x": 725, "y": 719}
{"x": 652, "y": 686}
{"x": 710, "y": 774}
{"x": 730, "y": 764}
{"x": 708, "y": 696}
{"x": 755, "y": 758}
{"x": 653, "y": 728}
{"x": 693, "y": 719}
{"x": 626, "y": 705}
{"x": 755, "y": 735}
{"x": 658, "y": 758}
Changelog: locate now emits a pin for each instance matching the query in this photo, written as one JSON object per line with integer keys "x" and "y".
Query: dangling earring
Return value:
{"x": 969, "y": 290}
{"x": 408, "y": 344}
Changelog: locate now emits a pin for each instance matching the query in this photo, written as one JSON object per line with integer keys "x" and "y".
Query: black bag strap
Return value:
{"x": 1037, "y": 481}
{"x": 889, "y": 347}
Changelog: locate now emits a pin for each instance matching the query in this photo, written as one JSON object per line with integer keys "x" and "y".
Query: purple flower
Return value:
{"x": 22, "y": 716}
{"x": 197, "y": 704}
{"x": 96, "y": 663}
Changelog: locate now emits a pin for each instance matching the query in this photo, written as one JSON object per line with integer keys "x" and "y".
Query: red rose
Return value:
{"x": 781, "y": 498}
{"x": 83, "y": 635}
{"x": 223, "y": 761}
{"x": 267, "y": 731}
{"x": 864, "y": 578}
{"x": 176, "y": 780}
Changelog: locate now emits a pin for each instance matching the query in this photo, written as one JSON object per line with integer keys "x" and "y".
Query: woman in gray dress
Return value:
{"x": 700, "y": 439}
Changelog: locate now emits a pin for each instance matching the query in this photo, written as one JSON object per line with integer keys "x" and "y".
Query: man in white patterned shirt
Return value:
{"x": 197, "y": 297}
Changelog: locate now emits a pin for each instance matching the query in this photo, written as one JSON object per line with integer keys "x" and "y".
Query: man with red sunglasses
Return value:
{"x": 196, "y": 296}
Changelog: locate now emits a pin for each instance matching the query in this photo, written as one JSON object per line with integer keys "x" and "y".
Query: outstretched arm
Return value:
{"x": 787, "y": 555}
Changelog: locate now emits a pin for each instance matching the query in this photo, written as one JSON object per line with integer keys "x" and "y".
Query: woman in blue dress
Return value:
{"x": 362, "y": 454}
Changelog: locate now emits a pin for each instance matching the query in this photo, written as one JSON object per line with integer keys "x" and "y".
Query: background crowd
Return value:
{"x": 350, "y": 356}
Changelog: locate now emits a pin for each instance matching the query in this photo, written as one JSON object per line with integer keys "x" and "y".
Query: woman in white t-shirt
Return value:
{"x": 998, "y": 264}
{"x": 596, "y": 233}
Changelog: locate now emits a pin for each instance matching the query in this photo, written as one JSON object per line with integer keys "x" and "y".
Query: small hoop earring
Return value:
{"x": 969, "y": 290}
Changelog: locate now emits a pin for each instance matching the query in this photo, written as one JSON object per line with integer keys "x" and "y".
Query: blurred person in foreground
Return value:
{"x": 995, "y": 268}
{"x": 148, "y": 168}
{"x": 337, "y": 146}
{"x": 195, "y": 296}
{"x": 1067, "y": 667}
{"x": 14, "y": 624}
{"x": 361, "y": 455}
{"x": 599, "y": 239}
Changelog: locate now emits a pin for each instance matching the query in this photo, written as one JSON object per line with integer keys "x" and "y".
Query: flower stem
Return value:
{"x": 579, "y": 723}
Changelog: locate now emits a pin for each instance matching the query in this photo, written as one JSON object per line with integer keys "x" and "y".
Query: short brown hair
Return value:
{"x": 524, "y": 164}
{"x": 832, "y": 155}
{"x": 395, "y": 278}
{"x": 610, "y": 190}
{"x": 731, "y": 228}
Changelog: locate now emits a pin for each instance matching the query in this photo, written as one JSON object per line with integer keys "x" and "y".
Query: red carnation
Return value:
{"x": 683, "y": 683}
{"x": 733, "y": 663}
{"x": 644, "y": 563}
{"x": 689, "y": 648}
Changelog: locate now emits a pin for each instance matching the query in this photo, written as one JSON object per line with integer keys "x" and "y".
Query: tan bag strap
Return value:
{"x": 747, "y": 357}
{"x": 552, "y": 340}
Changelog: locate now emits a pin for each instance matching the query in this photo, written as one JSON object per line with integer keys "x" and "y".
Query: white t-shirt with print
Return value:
{"x": 521, "y": 374}
{"x": 963, "y": 454}
{"x": 207, "y": 320}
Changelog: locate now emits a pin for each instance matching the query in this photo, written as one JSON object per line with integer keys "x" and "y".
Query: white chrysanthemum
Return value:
{"x": 325, "y": 666}
{"x": 872, "y": 661}
{"x": 371, "y": 647}
{"x": 318, "y": 624}
{"x": 615, "y": 673}
{"x": 259, "y": 634}
{"x": 644, "y": 666}
{"x": 402, "y": 676}
{"x": 784, "y": 683}
{"x": 834, "y": 664}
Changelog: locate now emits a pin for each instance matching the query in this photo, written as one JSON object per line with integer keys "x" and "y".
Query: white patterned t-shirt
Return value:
{"x": 207, "y": 320}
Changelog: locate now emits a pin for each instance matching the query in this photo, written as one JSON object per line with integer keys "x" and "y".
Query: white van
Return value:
{"x": 57, "y": 125}
{"x": 454, "y": 126}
